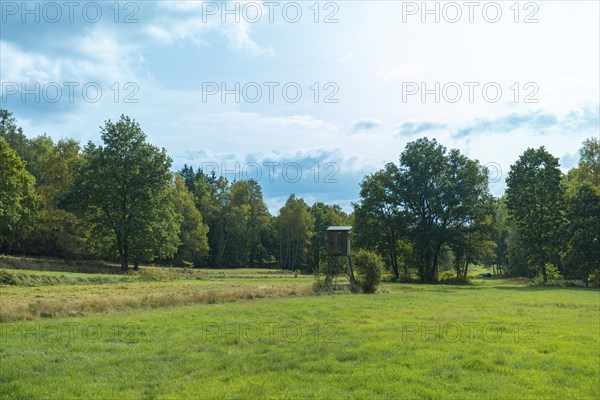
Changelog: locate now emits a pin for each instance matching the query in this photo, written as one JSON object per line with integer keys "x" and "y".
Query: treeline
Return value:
{"x": 428, "y": 216}
{"x": 120, "y": 202}
{"x": 432, "y": 212}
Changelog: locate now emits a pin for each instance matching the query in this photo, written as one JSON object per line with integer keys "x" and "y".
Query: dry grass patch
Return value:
{"x": 76, "y": 301}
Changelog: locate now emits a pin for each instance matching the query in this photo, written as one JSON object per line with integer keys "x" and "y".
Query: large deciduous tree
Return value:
{"x": 534, "y": 198}
{"x": 125, "y": 186}
{"x": 434, "y": 199}
{"x": 444, "y": 192}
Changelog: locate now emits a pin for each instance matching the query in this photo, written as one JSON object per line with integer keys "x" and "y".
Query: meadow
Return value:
{"x": 265, "y": 334}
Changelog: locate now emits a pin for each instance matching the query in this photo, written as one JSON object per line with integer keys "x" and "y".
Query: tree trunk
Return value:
{"x": 434, "y": 267}
{"x": 124, "y": 263}
{"x": 544, "y": 274}
{"x": 395, "y": 268}
{"x": 12, "y": 240}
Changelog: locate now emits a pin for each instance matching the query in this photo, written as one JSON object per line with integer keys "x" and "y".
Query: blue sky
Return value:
{"x": 310, "y": 107}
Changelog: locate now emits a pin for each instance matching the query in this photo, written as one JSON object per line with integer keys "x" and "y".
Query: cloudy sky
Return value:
{"x": 308, "y": 97}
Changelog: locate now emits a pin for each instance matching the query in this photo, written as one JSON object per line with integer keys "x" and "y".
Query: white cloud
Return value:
{"x": 194, "y": 26}
{"x": 28, "y": 67}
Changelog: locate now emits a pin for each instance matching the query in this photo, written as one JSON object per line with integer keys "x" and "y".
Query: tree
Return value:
{"x": 125, "y": 186}
{"x": 13, "y": 135}
{"x": 583, "y": 212}
{"x": 589, "y": 161}
{"x": 534, "y": 198}
{"x": 17, "y": 196}
{"x": 194, "y": 243}
{"x": 295, "y": 230}
{"x": 211, "y": 198}
{"x": 472, "y": 243}
{"x": 587, "y": 170}
{"x": 246, "y": 216}
{"x": 443, "y": 193}
{"x": 517, "y": 254}
{"x": 380, "y": 223}
{"x": 57, "y": 232}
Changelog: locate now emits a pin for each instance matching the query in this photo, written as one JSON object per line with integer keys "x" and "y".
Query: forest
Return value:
{"x": 430, "y": 217}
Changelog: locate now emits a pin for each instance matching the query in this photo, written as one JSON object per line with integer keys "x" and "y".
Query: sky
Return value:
{"x": 309, "y": 97}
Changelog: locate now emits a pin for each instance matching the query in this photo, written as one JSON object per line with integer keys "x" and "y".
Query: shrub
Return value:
{"x": 7, "y": 278}
{"x": 322, "y": 281}
{"x": 594, "y": 279}
{"x": 446, "y": 276}
{"x": 368, "y": 267}
{"x": 553, "y": 273}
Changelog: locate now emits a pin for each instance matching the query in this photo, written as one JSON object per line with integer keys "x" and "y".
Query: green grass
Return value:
{"x": 494, "y": 339}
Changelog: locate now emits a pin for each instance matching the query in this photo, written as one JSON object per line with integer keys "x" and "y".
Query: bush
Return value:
{"x": 368, "y": 267}
{"x": 552, "y": 273}
{"x": 7, "y": 278}
{"x": 446, "y": 276}
{"x": 594, "y": 279}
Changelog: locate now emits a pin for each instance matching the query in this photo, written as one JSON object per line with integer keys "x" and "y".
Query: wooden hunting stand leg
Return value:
{"x": 350, "y": 272}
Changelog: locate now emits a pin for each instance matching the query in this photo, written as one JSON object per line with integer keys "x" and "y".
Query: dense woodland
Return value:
{"x": 429, "y": 216}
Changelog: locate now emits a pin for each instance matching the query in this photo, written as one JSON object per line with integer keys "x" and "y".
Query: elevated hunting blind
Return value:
{"x": 338, "y": 246}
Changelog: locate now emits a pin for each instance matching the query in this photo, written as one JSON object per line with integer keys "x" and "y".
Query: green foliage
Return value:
{"x": 12, "y": 134}
{"x": 57, "y": 232}
{"x": 594, "y": 279}
{"x": 450, "y": 278}
{"x": 295, "y": 230}
{"x": 446, "y": 194}
{"x": 17, "y": 196}
{"x": 587, "y": 171}
{"x": 125, "y": 186}
{"x": 432, "y": 200}
{"x": 497, "y": 257}
{"x": 8, "y": 278}
{"x": 322, "y": 282}
{"x": 517, "y": 254}
{"x": 194, "y": 244}
{"x": 249, "y": 222}
{"x": 368, "y": 267}
{"x": 534, "y": 198}
{"x": 379, "y": 220}
{"x": 240, "y": 229}
{"x": 583, "y": 248}
{"x": 428, "y": 213}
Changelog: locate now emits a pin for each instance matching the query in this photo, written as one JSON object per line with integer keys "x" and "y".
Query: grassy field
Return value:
{"x": 43, "y": 294}
{"x": 271, "y": 337}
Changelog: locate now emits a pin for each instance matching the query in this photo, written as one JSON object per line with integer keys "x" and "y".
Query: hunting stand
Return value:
{"x": 338, "y": 251}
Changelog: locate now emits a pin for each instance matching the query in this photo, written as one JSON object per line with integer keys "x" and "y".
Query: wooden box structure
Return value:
{"x": 339, "y": 240}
